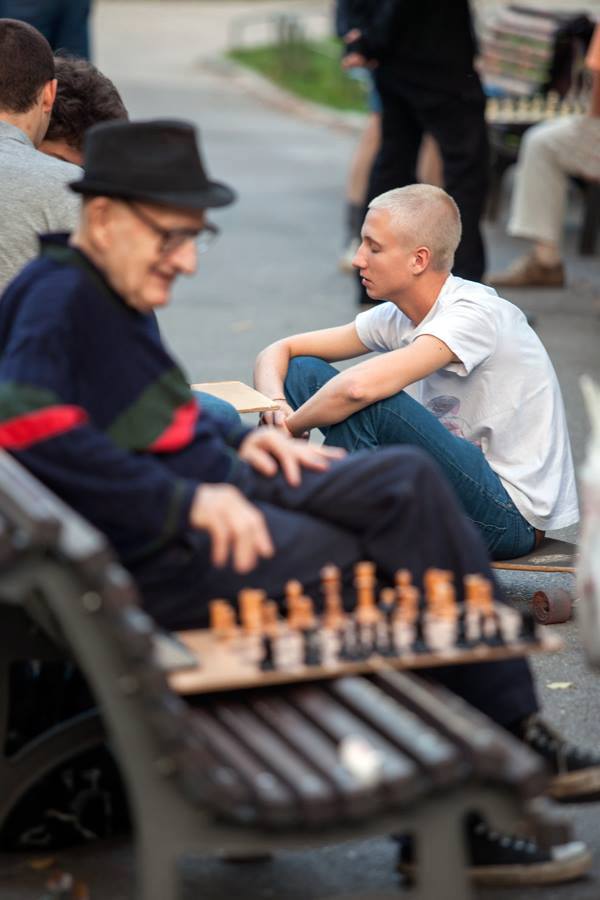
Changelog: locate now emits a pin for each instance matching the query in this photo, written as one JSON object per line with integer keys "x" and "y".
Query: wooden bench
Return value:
{"x": 242, "y": 772}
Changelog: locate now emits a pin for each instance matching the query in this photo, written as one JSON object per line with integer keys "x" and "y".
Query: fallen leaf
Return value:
{"x": 41, "y": 862}
{"x": 559, "y": 685}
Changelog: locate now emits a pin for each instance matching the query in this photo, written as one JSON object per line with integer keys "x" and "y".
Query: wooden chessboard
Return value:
{"x": 402, "y": 627}
{"x": 230, "y": 664}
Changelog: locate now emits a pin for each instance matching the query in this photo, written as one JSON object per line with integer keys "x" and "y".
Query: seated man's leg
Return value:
{"x": 178, "y": 583}
{"x": 392, "y": 507}
{"x": 214, "y": 406}
{"x": 400, "y": 419}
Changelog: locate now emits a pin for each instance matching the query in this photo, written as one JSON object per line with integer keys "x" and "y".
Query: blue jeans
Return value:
{"x": 214, "y": 406}
{"x": 400, "y": 419}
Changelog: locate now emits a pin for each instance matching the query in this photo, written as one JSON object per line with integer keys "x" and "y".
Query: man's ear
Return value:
{"x": 98, "y": 220}
{"x": 421, "y": 259}
{"x": 49, "y": 95}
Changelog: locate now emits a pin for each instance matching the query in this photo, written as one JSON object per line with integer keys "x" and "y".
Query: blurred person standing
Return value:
{"x": 64, "y": 23}
{"x": 350, "y": 15}
{"x": 423, "y": 58}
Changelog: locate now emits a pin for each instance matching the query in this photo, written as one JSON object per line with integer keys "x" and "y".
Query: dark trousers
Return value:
{"x": 455, "y": 118}
{"x": 391, "y": 506}
{"x": 64, "y": 23}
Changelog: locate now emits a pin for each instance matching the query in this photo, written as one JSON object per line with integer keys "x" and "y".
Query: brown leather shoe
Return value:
{"x": 527, "y": 271}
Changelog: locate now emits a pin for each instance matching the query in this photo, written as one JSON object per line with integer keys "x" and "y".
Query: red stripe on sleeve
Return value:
{"x": 24, "y": 431}
{"x": 181, "y": 430}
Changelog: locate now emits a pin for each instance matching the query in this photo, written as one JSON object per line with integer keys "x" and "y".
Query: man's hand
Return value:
{"x": 268, "y": 449}
{"x": 277, "y": 417}
{"x": 237, "y": 528}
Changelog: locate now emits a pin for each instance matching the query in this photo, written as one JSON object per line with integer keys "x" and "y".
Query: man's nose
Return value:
{"x": 185, "y": 258}
{"x": 359, "y": 261}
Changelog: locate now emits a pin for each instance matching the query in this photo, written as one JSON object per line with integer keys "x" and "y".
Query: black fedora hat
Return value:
{"x": 156, "y": 161}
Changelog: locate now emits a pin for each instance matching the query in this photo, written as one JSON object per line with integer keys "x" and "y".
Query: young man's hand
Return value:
{"x": 277, "y": 417}
{"x": 238, "y": 529}
{"x": 268, "y": 449}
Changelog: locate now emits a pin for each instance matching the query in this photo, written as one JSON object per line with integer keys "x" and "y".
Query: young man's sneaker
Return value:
{"x": 505, "y": 860}
{"x": 576, "y": 772}
{"x": 528, "y": 271}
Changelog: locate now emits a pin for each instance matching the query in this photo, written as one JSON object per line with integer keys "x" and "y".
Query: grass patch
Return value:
{"x": 310, "y": 69}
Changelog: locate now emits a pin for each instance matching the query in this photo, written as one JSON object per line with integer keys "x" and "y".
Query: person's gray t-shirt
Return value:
{"x": 34, "y": 199}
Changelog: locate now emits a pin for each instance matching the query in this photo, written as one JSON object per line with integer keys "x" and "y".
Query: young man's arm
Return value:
{"x": 370, "y": 381}
{"x": 271, "y": 367}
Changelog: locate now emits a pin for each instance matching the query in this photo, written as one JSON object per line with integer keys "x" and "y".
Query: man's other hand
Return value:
{"x": 268, "y": 449}
{"x": 238, "y": 529}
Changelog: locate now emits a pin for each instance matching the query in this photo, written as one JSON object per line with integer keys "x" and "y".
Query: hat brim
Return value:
{"x": 215, "y": 194}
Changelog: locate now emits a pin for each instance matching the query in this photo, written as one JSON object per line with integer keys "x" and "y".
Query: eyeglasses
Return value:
{"x": 172, "y": 239}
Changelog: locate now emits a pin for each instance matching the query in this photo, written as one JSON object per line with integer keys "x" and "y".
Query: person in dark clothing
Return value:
{"x": 64, "y": 23}
{"x": 423, "y": 56}
{"x": 92, "y": 403}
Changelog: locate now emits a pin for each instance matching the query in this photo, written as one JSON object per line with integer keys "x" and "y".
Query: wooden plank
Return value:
{"x": 550, "y": 556}
{"x": 242, "y": 396}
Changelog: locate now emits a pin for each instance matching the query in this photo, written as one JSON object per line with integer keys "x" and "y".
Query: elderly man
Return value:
{"x": 460, "y": 374}
{"x": 93, "y": 404}
{"x": 33, "y": 198}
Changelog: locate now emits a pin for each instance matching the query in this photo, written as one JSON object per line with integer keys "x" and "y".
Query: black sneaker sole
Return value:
{"x": 539, "y": 873}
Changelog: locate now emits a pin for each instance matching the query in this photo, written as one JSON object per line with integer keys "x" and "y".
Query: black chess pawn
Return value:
{"x": 312, "y": 647}
{"x": 461, "y": 629}
{"x": 267, "y": 663}
{"x": 419, "y": 644}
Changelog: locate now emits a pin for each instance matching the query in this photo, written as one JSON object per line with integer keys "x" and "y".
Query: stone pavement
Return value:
{"x": 274, "y": 272}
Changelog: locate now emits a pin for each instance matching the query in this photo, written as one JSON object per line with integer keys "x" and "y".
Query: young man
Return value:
{"x": 196, "y": 511}
{"x": 460, "y": 374}
{"x": 33, "y": 197}
{"x": 84, "y": 97}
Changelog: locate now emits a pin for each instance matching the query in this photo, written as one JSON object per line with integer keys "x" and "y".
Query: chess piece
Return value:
{"x": 222, "y": 619}
{"x": 250, "y": 601}
{"x": 331, "y": 587}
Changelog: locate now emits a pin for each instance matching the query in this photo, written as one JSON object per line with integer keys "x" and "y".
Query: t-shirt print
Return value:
{"x": 446, "y": 409}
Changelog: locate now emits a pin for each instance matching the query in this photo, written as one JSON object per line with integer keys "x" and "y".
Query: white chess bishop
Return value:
{"x": 588, "y": 568}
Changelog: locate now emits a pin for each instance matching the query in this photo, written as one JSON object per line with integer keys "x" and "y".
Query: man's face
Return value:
{"x": 62, "y": 150}
{"x": 143, "y": 248}
{"x": 383, "y": 258}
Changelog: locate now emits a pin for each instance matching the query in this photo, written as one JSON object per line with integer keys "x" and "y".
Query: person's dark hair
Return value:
{"x": 84, "y": 97}
{"x": 26, "y": 65}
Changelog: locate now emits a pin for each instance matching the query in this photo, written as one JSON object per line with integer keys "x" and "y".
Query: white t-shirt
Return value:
{"x": 503, "y": 395}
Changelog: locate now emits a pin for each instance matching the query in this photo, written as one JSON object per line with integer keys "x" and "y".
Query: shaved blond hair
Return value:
{"x": 424, "y": 216}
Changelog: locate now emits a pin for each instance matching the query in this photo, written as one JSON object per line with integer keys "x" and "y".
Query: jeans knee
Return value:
{"x": 305, "y": 375}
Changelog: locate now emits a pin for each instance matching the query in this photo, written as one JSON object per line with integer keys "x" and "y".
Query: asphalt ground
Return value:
{"x": 274, "y": 272}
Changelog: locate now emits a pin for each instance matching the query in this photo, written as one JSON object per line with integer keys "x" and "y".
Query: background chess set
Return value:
{"x": 254, "y": 644}
{"x": 529, "y": 110}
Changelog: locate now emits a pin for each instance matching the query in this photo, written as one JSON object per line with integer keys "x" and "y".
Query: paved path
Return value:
{"x": 272, "y": 273}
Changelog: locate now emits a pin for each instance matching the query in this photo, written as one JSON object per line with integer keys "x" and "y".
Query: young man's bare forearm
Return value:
{"x": 270, "y": 369}
{"x": 331, "y": 404}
